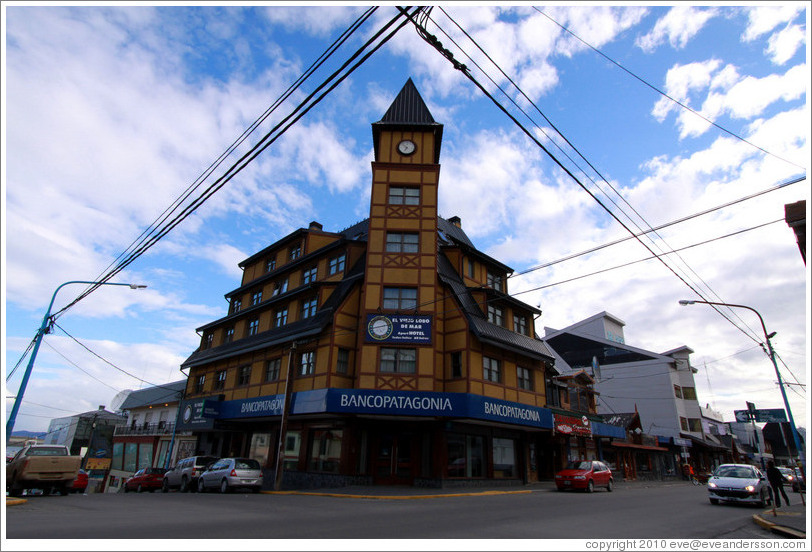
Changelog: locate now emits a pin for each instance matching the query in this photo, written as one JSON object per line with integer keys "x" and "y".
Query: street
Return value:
{"x": 668, "y": 511}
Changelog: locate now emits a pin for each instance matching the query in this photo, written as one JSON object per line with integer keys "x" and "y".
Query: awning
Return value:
{"x": 621, "y": 444}
{"x": 704, "y": 443}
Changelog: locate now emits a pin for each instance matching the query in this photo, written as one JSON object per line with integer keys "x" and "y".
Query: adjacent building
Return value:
{"x": 405, "y": 358}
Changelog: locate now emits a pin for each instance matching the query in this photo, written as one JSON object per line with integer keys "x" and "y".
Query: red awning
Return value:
{"x": 636, "y": 446}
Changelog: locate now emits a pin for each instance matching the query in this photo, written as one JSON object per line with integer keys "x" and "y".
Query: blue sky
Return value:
{"x": 109, "y": 113}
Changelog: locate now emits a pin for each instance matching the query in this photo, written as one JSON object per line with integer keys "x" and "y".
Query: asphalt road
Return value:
{"x": 665, "y": 512}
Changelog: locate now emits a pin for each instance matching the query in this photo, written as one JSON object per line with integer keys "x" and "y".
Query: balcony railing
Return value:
{"x": 160, "y": 428}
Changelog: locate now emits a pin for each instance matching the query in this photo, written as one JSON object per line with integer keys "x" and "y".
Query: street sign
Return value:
{"x": 771, "y": 415}
{"x": 742, "y": 415}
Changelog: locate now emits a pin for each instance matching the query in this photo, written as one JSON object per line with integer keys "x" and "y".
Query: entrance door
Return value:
{"x": 393, "y": 459}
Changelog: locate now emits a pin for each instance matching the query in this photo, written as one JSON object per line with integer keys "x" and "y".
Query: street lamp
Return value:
{"x": 38, "y": 339}
{"x": 772, "y": 358}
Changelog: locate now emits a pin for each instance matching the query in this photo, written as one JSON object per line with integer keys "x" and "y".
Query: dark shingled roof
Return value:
{"x": 168, "y": 392}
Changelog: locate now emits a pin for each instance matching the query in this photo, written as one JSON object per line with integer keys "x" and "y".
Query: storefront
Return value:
{"x": 345, "y": 436}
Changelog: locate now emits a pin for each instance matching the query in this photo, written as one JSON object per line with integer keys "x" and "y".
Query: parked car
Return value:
{"x": 49, "y": 468}
{"x": 798, "y": 481}
{"x": 739, "y": 483}
{"x": 184, "y": 475}
{"x": 585, "y": 475}
{"x": 145, "y": 479}
{"x": 231, "y": 473}
{"x": 80, "y": 483}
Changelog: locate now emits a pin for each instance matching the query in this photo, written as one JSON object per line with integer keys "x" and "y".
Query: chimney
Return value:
{"x": 101, "y": 407}
{"x": 315, "y": 226}
{"x": 456, "y": 221}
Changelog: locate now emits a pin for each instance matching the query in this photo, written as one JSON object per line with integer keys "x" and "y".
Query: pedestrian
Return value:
{"x": 777, "y": 483}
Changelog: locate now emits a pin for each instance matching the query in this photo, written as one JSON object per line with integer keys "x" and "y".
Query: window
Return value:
{"x": 494, "y": 280}
{"x": 466, "y": 454}
{"x": 229, "y": 336}
{"x": 272, "y": 369}
{"x": 253, "y": 326}
{"x": 256, "y": 297}
{"x": 307, "y": 364}
{"x": 280, "y": 287}
{"x": 295, "y": 251}
{"x": 309, "y": 275}
{"x": 524, "y": 378}
{"x": 207, "y": 340}
{"x": 491, "y": 370}
{"x": 293, "y": 443}
{"x": 456, "y": 364}
{"x": 398, "y": 361}
{"x": 270, "y": 264}
{"x": 200, "y": 381}
{"x": 309, "y": 307}
{"x": 470, "y": 268}
{"x": 404, "y": 196}
{"x": 398, "y": 242}
{"x": 336, "y": 265}
{"x": 689, "y": 393}
{"x": 520, "y": 324}
{"x": 504, "y": 458}
{"x": 236, "y": 305}
{"x": 695, "y": 425}
{"x": 281, "y": 317}
{"x": 683, "y": 423}
{"x": 244, "y": 375}
{"x": 496, "y": 315}
{"x": 579, "y": 399}
{"x": 220, "y": 380}
{"x": 551, "y": 390}
{"x": 343, "y": 361}
{"x": 325, "y": 450}
{"x": 678, "y": 391}
{"x": 400, "y": 298}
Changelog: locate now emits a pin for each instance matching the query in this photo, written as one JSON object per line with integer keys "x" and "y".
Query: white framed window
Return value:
{"x": 398, "y": 361}
{"x": 491, "y": 371}
{"x": 307, "y": 363}
{"x": 398, "y": 298}
{"x": 402, "y": 242}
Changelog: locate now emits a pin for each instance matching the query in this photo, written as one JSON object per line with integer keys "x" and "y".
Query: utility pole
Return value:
{"x": 283, "y": 425}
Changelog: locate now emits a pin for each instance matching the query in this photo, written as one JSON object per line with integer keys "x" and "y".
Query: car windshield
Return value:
{"x": 785, "y": 471}
{"x": 580, "y": 465}
{"x": 742, "y": 472}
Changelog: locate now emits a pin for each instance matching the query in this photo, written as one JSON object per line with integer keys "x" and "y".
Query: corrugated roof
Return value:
{"x": 154, "y": 395}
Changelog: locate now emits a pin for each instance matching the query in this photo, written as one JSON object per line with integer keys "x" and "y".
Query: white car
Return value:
{"x": 231, "y": 473}
{"x": 739, "y": 483}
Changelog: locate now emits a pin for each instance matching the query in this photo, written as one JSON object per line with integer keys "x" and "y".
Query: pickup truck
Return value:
{"x": 47, "y": 467}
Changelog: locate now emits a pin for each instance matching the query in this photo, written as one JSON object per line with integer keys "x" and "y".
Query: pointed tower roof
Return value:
{"x": 408, "y": 112}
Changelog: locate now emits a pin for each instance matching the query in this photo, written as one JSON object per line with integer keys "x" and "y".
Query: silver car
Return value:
{"x": 231, "y": 473}
{"x": 739, "y": 483}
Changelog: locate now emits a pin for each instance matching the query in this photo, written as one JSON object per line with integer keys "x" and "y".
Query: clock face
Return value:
{"x": 406, "y": 147}
{"x": 380, "y": 327}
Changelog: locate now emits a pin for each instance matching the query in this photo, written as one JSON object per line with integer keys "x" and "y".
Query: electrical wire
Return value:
{"x": 80, "y": 368}
{"x": 22, "y": 358}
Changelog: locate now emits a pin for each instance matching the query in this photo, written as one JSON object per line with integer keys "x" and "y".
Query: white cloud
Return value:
{"x": 784, "y": 44}
{"x": 678, "y": 26}
{"x": 763, "y": 19}
{"x": 681, "y": 80}
{"x": 318, "y": 21}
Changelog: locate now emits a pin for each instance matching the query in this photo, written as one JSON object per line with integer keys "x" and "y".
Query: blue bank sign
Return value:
{"x": 399, "y": 328}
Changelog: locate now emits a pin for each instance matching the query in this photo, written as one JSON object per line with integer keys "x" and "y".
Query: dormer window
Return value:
{"x": 520, "y": 324}
{"x": 309, "y": 275}
{"x": 295, "y": 251}
{"x": 280, "y": 287}
{"x": 495, "y": 281}
{"x": 336, "y": 265}
{"x": 496, "y": 315}
{"x": 256, "y": 297}
{"x": 236, "y": 305}
{"x": 270, "y": 265}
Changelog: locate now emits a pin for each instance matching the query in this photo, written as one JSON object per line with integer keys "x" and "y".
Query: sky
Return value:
{"x": 110, "y": 113}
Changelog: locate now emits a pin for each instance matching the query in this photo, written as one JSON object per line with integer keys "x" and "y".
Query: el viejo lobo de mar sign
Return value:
{"x": 406, "y": 329}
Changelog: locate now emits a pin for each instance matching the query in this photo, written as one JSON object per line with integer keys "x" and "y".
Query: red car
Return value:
{"x": 585, "y": 475}
{"x": 79, "y": 483}
{"x": 145, "y": 479}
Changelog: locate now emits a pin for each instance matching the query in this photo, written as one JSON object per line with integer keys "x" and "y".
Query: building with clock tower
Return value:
{"x": 409, "y": 362}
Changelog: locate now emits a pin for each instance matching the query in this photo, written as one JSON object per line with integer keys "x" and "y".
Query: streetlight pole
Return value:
{"x": 771, "y": 353}
{"x": 38, "y": 339}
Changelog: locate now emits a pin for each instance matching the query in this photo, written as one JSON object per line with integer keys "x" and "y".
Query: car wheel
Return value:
{"x": 590, "y": 486}
{"x": 224, "y": 486}
{"x": 184, "y": 485}
{"x": 165, "y": 486}
{"x": 610, "y": 486}
{"x": 200, "y": 485}
{"x": 714, "y": 501}
{"x": 139, "y": 489}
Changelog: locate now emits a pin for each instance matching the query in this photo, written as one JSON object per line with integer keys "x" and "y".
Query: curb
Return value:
{"x": 778, "y": 529}
{"x": 395, "y": 497}
{"x": 15, "y": 501}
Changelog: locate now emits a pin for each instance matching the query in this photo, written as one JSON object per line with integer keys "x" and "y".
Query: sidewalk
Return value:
{"x": 788, "y": 521}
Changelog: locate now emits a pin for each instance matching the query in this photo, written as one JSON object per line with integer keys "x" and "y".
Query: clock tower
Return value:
{"x": 400, "y": 293}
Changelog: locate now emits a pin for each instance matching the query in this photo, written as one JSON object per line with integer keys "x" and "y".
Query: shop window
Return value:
{"x": 520, "y": 324}
{"x": 524, "y": 378}
{"x": 343, "y": 361}
{"x": 496, "y": 315}
{"x": 130, "y": 457}
{"x": 325, "y": 450}
{"x": 491, "y": 370}
{"x": 145, "y": 455}
{"x": 456, "y": 364}
{"x": 260, "y": 447}
{"x": 220, "y": 380}
{"x": 270, "y": 265}
{"x": 678, "y": 391}
{"x": 397, "y": 298}
{"x": 244, "y": 375}
{"x": 404, "y": 196}
{"x": 256, "y": 297}
{"x": 118, "y": 456}
{"x": 466, "y": 454}
{"x": 402, "y": 242}
{"x": 504, "y": 458}
{"x": 336, "y": 265}
{"x": 398, "y": 361}
{"x": 281, "y": 317}
{"x": 295, "y": 252}
{"x": 229, "y": 336}
{"x": 689, "y": 393}
{"x": 307, "y": 364}
{"x": 200, "y": 383}
{"x": 253, "y": 326}
{"x": 293, "y": 443}
{"x": 272, "y": 369}
{"x": 309, "y": 275}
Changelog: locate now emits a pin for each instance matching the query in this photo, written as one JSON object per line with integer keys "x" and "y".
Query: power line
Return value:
{"x": 79, "y": 367}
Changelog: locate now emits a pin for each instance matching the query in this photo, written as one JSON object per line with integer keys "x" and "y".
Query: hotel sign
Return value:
{"x": 406, "y": 329}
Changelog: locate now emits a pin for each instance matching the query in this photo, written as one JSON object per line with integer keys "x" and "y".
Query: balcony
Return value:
{"x": 160, "y": 428}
